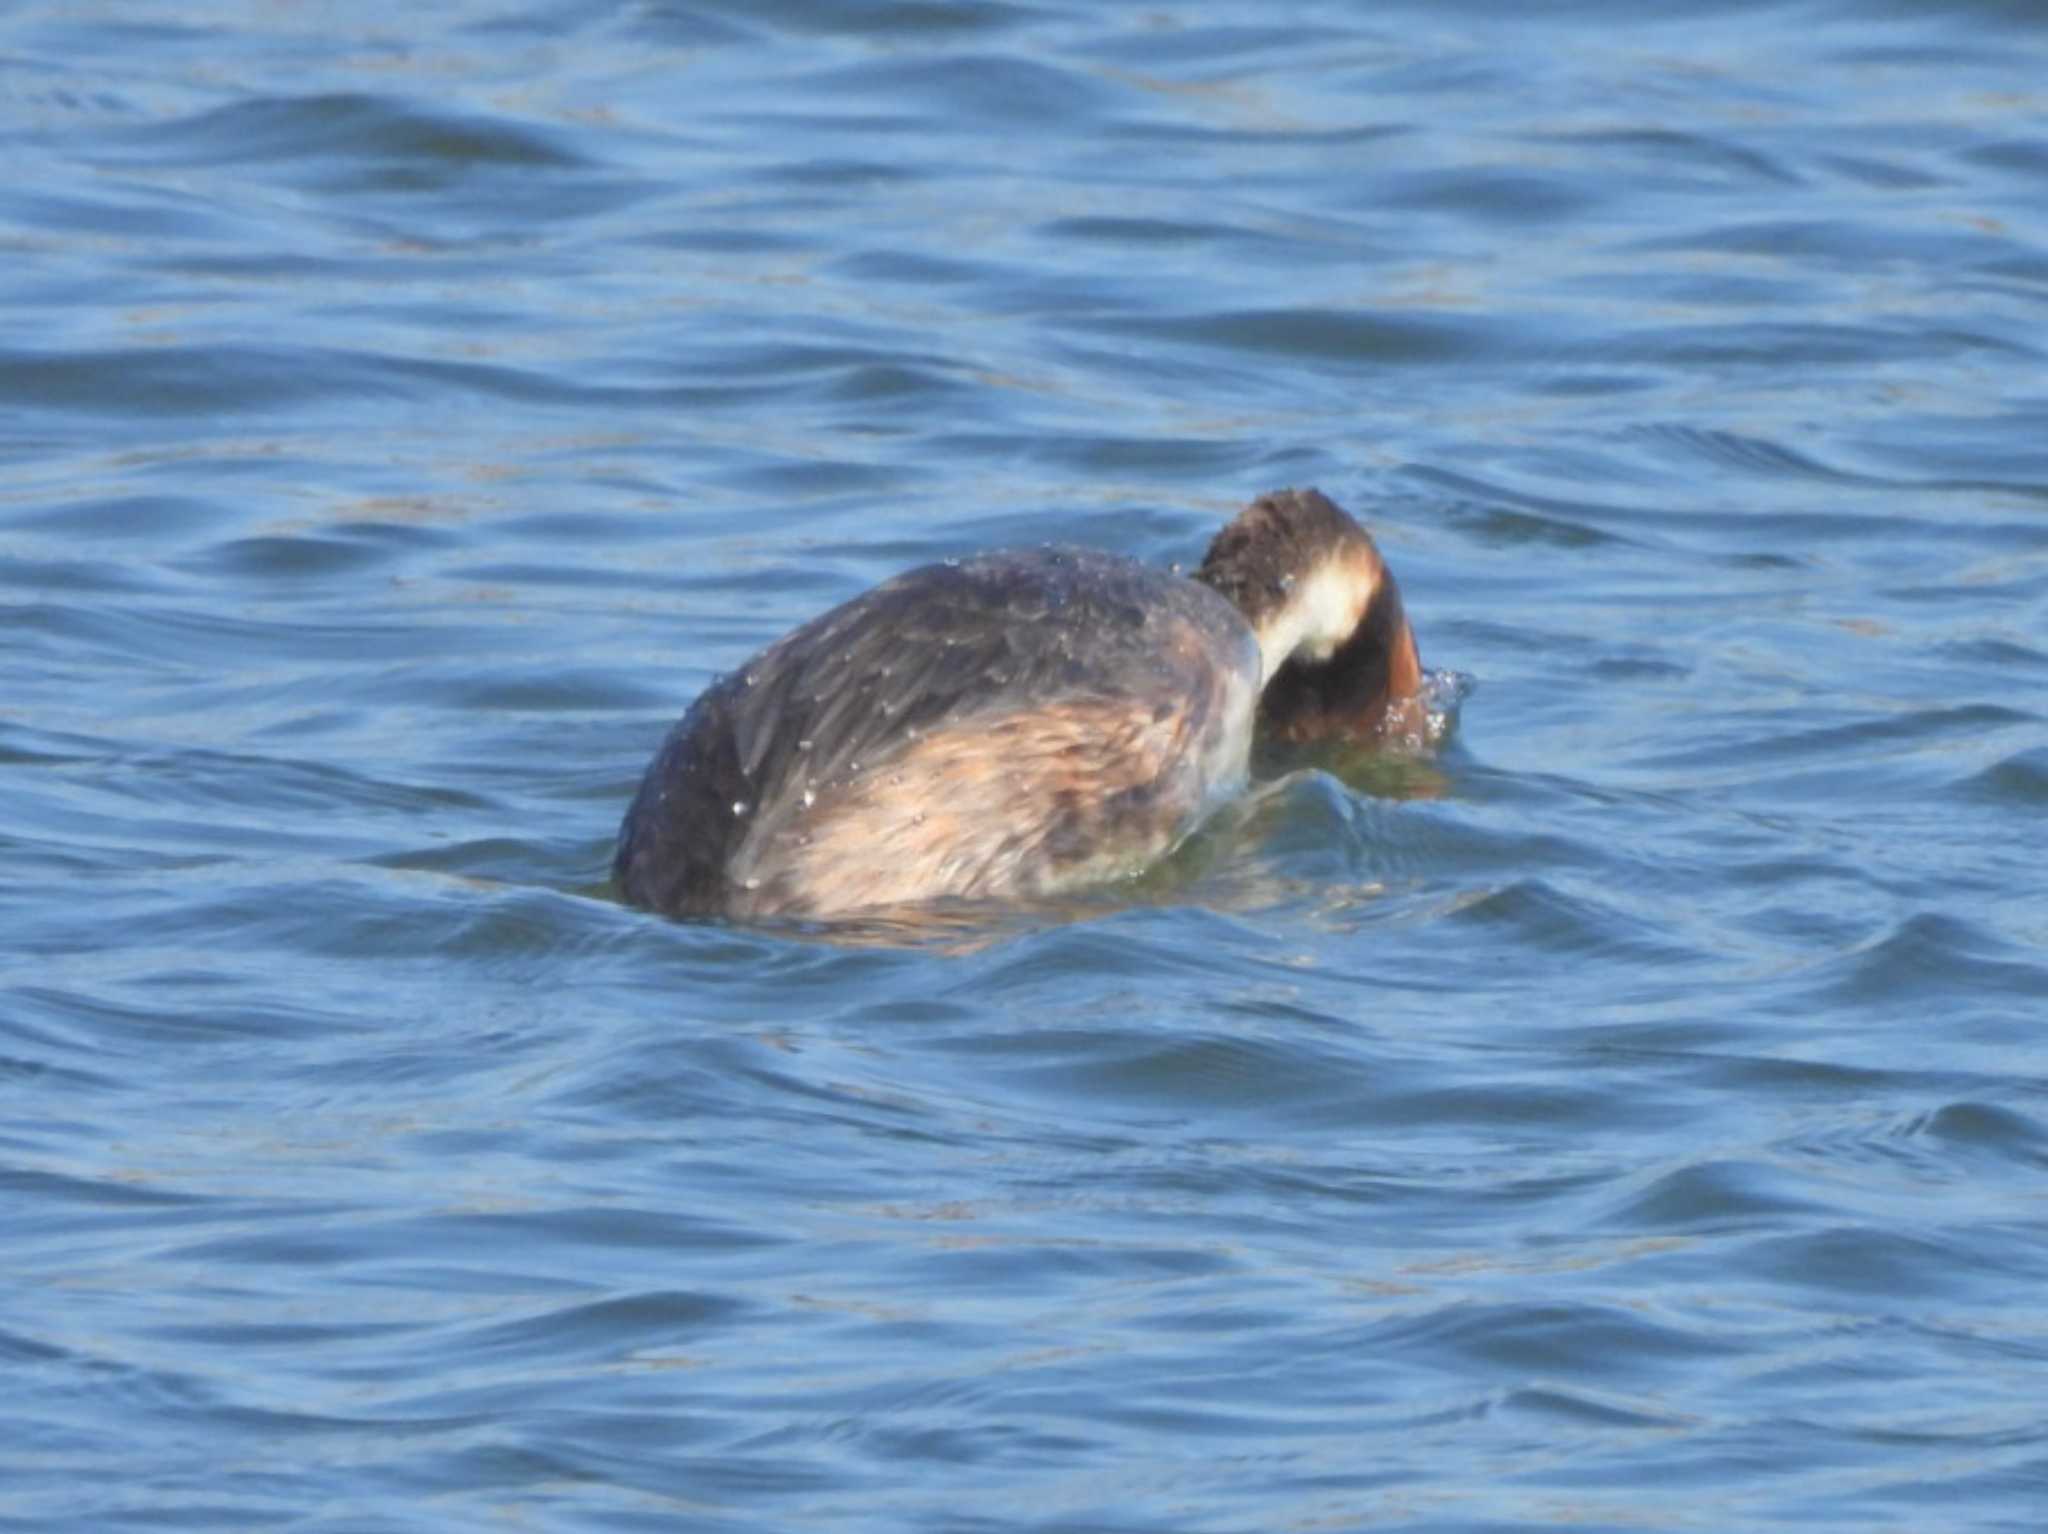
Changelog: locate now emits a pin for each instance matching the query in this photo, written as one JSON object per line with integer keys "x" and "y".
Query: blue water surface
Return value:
{"x": 1632, "y": 1117}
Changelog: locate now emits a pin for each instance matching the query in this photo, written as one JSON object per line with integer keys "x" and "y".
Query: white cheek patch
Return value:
{"x": 1320, "y": 613}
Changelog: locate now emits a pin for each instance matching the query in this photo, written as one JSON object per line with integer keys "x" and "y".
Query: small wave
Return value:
{"x": 342, "y": 127}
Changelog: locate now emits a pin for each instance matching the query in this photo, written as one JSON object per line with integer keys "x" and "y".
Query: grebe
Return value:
{"x": 1017, "y": 724}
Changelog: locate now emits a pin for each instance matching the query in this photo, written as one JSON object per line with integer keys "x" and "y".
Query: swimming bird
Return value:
{"x": 1017, "y": 724}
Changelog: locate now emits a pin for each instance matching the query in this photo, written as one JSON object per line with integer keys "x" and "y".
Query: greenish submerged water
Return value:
{"x": 1634, "y": 1117}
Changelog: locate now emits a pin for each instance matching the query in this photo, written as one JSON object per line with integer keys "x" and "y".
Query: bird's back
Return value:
{"x": 997, "y": 727}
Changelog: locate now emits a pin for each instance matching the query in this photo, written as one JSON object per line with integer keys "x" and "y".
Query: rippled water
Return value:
{"x": 1634, "y": 1117}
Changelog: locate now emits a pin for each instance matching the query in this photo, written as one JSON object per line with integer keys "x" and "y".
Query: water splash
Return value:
{"x": 1443, "y": 694}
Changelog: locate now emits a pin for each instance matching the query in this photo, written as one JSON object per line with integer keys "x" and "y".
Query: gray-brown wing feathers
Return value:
{"x": 838, "y": 697}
